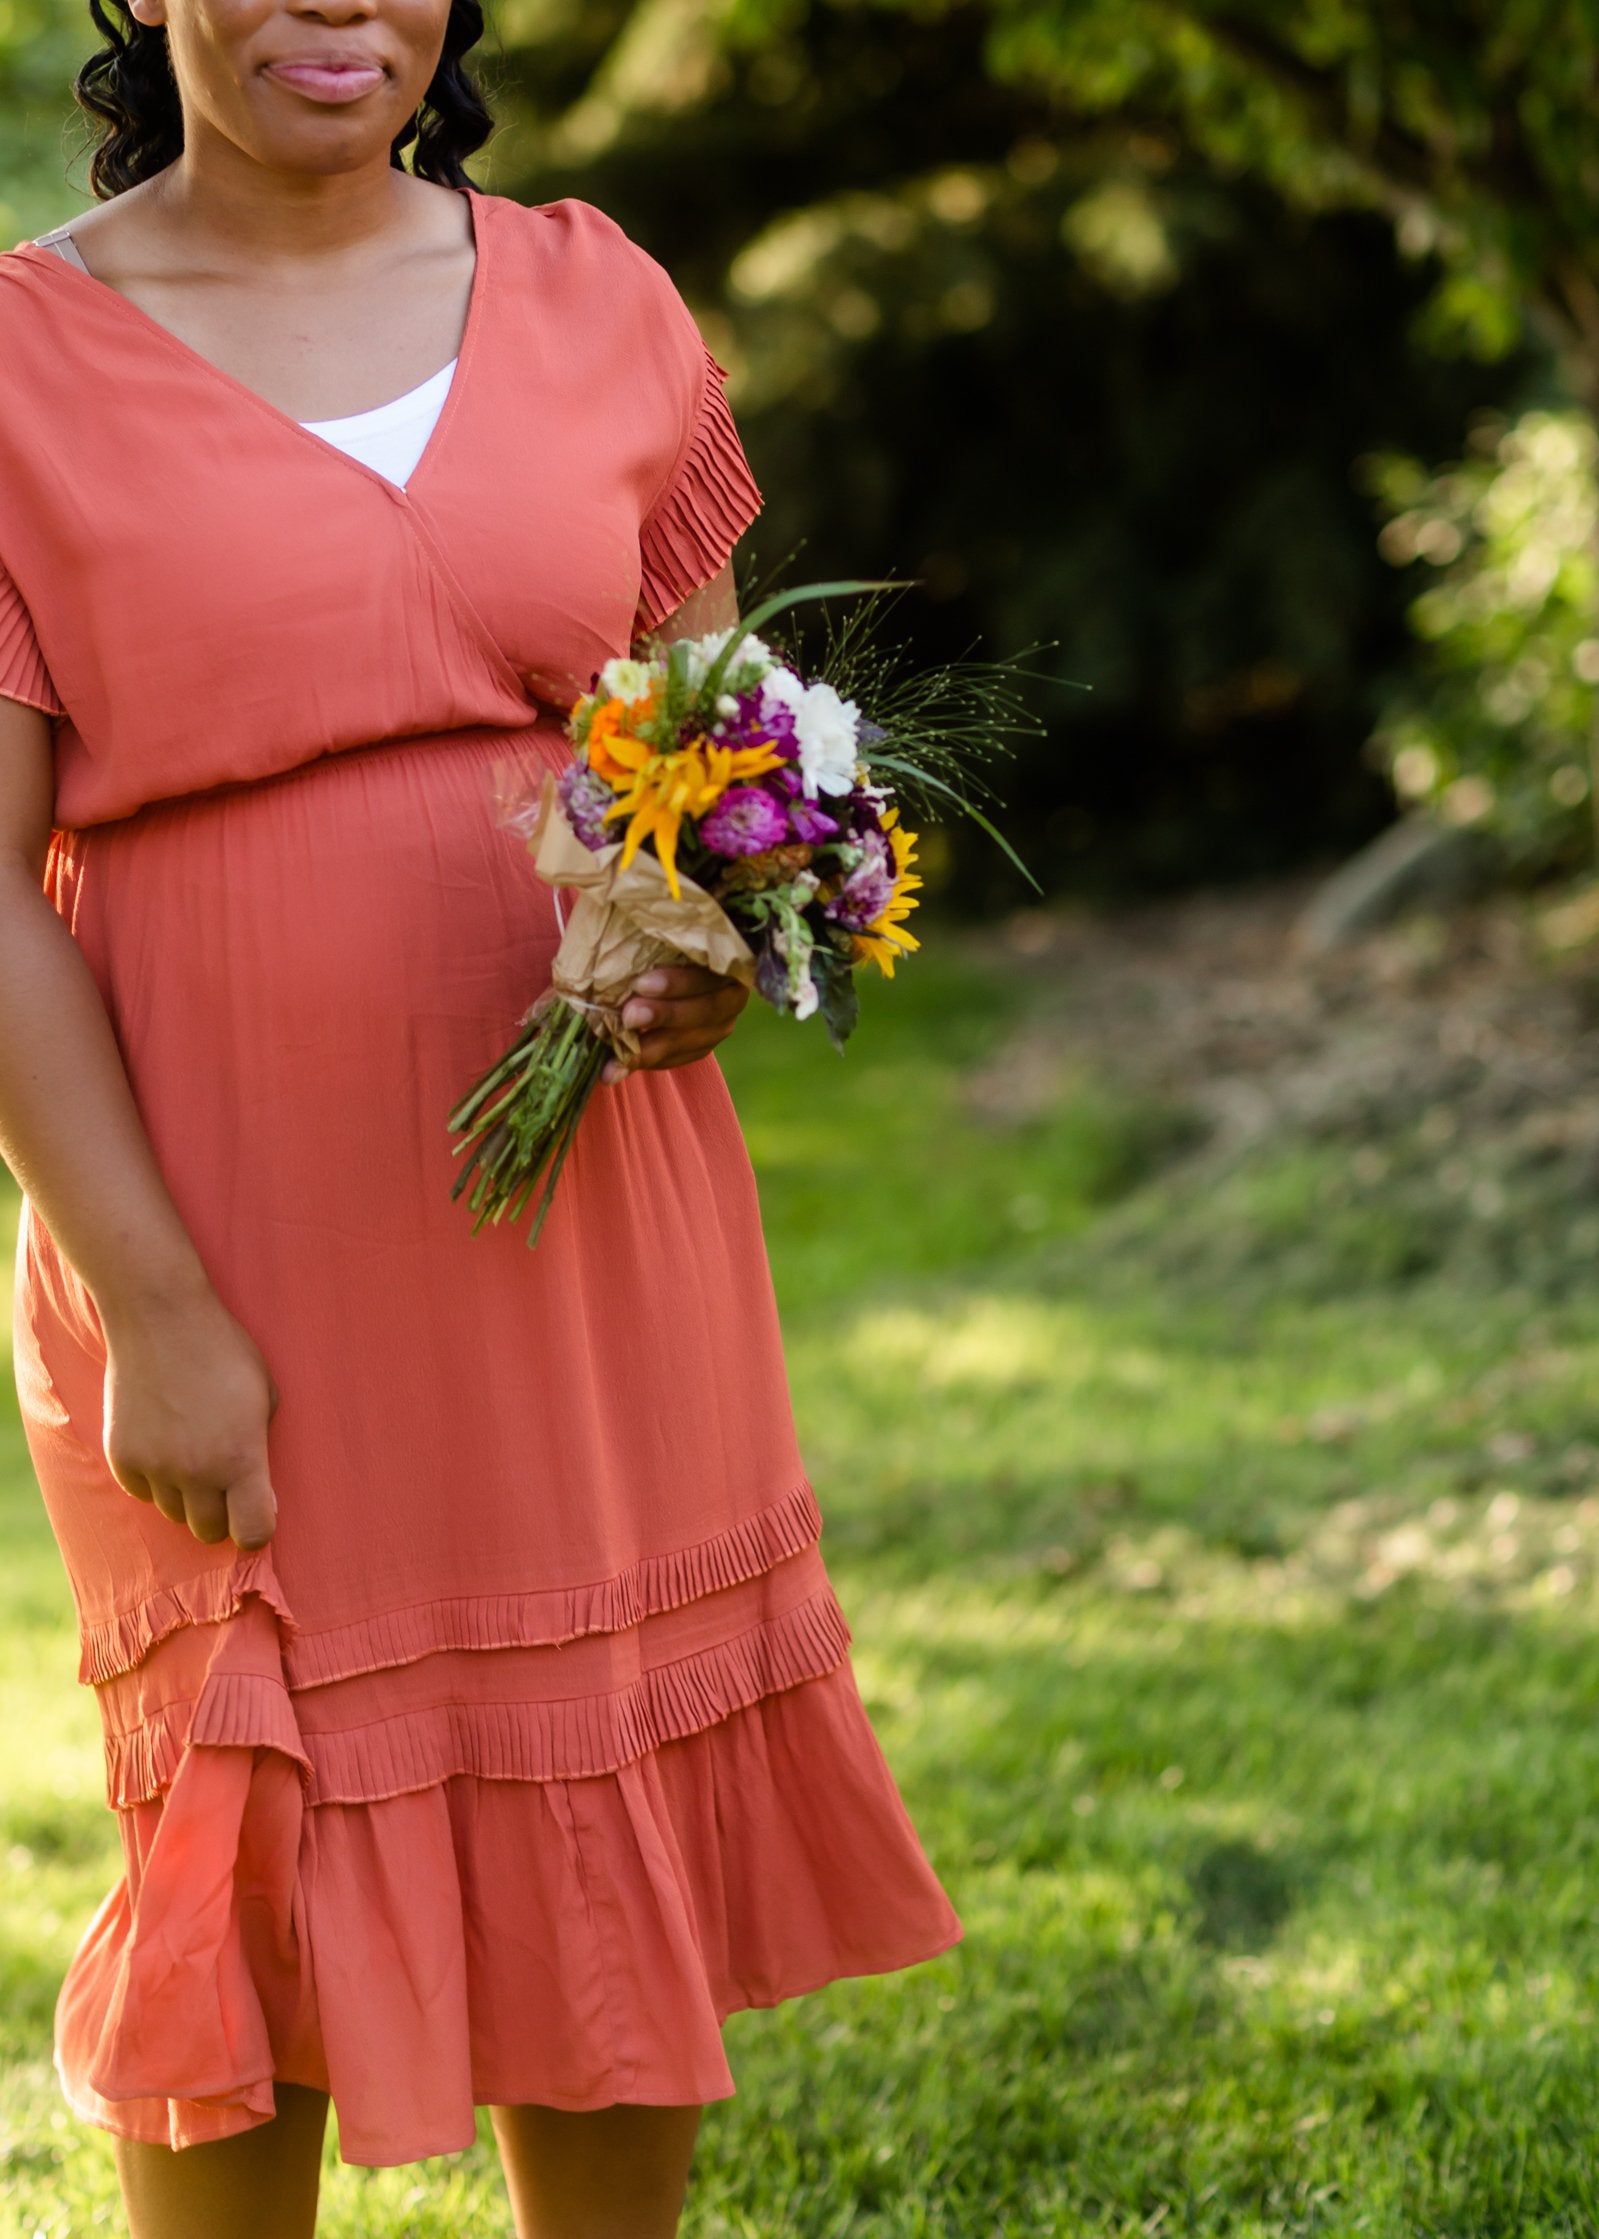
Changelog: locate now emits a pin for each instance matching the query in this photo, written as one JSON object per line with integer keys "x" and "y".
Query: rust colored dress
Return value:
{"x": 530, "y": 1749}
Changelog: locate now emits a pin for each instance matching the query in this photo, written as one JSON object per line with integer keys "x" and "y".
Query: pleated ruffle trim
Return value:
{"x": 573, "y": 1738}
{"x": 712, "y": 500}
{"x": 121, "y": 1642}
{"x": 23, "y": 675}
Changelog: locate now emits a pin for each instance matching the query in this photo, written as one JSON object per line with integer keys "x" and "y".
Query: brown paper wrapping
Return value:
{"x": 625, "y": 921}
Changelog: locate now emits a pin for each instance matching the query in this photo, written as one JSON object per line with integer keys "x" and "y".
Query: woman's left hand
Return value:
{"x": 679, "y": 1012}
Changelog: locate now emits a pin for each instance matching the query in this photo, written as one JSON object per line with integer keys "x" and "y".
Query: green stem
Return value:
{"x": 519, "y": 1121}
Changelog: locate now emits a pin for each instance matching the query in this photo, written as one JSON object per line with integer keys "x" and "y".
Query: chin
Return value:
{"x": 325, "y": 154}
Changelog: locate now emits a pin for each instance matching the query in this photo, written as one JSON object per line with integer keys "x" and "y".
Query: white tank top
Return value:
{"x": 391, "y": 437}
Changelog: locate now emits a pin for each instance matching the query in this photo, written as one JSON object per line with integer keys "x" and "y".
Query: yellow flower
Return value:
{"x": 885, "y": 940}
{"x": 665, "y": 788}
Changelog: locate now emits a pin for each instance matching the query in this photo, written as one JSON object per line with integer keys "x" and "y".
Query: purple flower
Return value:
{"x": 809, "y": 823}
{"x": 774, "y": 717}
{"x": 745, "y": 821}
{"x": 867, "y": 891}
{"x": 755, "y": 725}
{"x": 861, "y": 813}
{"x": 585, "y": 797}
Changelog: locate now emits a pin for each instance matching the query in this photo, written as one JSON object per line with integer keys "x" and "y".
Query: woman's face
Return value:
{"x": 318, "y": 86}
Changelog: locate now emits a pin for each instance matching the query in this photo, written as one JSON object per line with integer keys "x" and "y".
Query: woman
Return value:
{"x": 477, "y": 1711}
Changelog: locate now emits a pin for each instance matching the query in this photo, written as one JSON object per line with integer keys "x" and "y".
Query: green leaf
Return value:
{"x": 838, "y": 997}
{"x": 966, "y": 807}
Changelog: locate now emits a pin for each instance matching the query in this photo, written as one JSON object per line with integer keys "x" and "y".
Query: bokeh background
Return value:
{"x": 1188, "y": 1274}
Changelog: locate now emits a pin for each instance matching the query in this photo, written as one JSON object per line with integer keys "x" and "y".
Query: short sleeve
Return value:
{"x": 709, "y": 500}
{"x": 23, "y": 675}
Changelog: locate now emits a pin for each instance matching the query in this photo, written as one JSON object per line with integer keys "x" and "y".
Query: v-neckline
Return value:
{"x": 80, "y": 276}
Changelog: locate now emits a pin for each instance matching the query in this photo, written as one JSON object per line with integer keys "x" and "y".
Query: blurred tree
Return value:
{"x": 1492, "y": 727}
{"x": 1002, "y": 318}
{"x": 1469, "y": 121}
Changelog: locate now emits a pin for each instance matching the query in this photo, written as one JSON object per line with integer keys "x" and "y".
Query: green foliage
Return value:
{"x": 1497, "y": 728}
{"x": 42, "y": 43}
{"x": 1468, "y": 123}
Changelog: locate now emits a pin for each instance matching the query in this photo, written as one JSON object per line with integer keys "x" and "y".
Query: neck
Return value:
{"x": 218, "y": 197}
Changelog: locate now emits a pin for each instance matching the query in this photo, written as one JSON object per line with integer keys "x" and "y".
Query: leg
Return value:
{"x": 618, "y": 2173}
{"x": 260, "y": 2185}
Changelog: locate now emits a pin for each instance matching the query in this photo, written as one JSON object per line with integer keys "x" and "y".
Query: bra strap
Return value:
{"x": 60, "y": 243}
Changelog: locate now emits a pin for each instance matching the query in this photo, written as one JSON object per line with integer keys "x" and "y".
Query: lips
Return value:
{"x": 329, "y": 81}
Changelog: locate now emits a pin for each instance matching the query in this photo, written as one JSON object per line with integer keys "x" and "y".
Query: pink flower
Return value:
{"x": 745, "y": 821}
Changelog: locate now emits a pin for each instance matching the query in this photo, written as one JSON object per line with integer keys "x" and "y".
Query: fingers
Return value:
{"x": 246, "y": 1513}
{"x": 680, "y": 1013}
{"x": 206, "y": 1514}
{"x": 252, "y": 1509}
{"x": 133, "y": 1481}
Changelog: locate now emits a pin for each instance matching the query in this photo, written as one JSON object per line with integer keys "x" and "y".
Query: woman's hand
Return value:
{"x": 188, "y": 1400}
{"x": 679, "y": 1012}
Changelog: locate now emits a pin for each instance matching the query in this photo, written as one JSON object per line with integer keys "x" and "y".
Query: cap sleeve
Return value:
{"x": 23, "y": 675}
{"x": 709, "y": 500}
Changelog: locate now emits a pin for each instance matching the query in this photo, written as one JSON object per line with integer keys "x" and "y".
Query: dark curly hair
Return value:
{"x": 130, "y": 97}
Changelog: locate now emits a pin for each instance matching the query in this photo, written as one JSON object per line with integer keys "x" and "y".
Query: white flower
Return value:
{"x": 825, "y": 729}
{"x": 780, "y": 687}
{"x": 625, "y": 680}
{"x": 805, "y": 998}
{"x": 751, "y": 657}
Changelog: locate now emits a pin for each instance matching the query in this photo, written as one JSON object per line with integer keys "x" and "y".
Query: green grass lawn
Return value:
{"x": 1224, "y": 1597}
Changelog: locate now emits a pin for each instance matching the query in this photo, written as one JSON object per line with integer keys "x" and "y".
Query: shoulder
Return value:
{"x": 23, "y": 273}
{"x": 39, "y": 312}
{"x": 577, "y": 246}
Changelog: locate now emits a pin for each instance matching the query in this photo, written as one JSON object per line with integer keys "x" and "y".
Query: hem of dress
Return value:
{"x": 754, "y": 2005}
{"x": 357, "y": 2153}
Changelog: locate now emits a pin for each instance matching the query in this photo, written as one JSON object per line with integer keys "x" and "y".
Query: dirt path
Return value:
{"x": 1468, "y": 1036}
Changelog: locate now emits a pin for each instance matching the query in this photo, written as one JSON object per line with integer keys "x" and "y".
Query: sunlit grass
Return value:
{"x": 1225, "y": 1601}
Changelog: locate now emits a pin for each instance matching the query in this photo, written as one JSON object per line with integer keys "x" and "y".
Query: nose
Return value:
{"x": 332, "y": 11}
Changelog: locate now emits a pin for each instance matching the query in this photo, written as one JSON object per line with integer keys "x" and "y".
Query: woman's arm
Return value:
{"x": 686, "y": 1009}
{"x": 188, "y": 1397}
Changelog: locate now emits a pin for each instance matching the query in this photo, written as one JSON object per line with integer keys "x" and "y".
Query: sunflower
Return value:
{"x": 885, "y": 940}
{"x": 664, "y": 788}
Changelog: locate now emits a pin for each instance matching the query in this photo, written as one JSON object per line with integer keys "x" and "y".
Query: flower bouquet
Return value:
{"x": 721, "y": 810}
